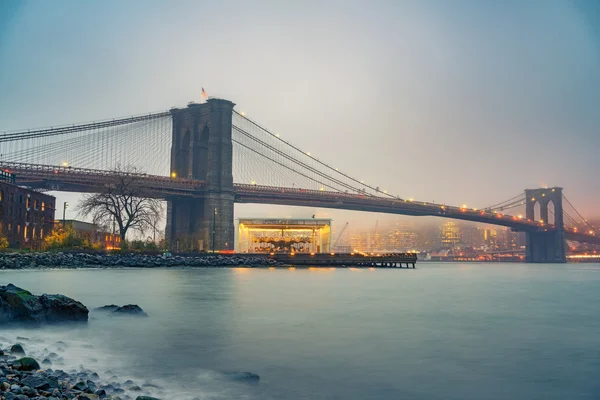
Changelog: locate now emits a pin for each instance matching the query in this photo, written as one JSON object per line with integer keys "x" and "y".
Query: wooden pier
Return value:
{"x": 392, "y": 260}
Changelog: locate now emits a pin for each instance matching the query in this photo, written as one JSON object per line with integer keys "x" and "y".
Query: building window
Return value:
{"x": 41, "y": 232}
{"x": 18, "y": 229}
{"x": 1, "y": 195}
{"x": 21, "y": 198}
{"x": 9, "y": 228}
{"x": 11, "y": 197}
{"x": 28, "y": 202}
{"x": 33, "y": 232}
{"x": 43, "y": 206}
{"x": 25, "y": 231}
{"x": 35, "y": 204}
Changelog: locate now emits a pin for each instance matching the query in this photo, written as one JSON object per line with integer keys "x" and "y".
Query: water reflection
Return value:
{"x": 486, "y": 331}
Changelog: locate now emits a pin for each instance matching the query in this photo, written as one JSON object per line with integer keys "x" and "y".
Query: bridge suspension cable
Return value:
{"x": 52, "y": 131}
{"x": 520, "y": 197}
{"x": 142, "y": 141}
{"x": 295, "y": 161}
{"x": 350, "y": 182}
{"x": 583, "y": 219}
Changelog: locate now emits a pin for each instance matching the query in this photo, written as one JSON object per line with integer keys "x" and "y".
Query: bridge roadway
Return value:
{"x": 61, "y": 178}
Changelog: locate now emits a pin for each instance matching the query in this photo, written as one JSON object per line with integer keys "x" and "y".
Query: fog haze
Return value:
{"x": 460, "y": 102}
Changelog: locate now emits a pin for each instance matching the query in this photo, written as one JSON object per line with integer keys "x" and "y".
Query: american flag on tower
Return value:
{"x": 204, "y": 95}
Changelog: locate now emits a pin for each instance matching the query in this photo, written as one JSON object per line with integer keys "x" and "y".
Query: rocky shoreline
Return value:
{"x": 32, "y": 368}
{"x": 41, "y": 369}
{"x": 22, "y": 379}
{"x": 128, "y": 260}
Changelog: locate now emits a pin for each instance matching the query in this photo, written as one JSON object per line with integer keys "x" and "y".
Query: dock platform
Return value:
{"x": 392, "y": 260}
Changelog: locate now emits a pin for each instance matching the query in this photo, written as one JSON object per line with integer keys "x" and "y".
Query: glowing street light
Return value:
{"x": 65, "y": 163}
{"x": 173, "y": 174}
{"x": 243, "y": 114}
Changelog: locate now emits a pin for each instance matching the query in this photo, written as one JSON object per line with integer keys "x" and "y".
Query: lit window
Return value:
{"x": 18, "y": 229}
{"x": 43, "y": 206}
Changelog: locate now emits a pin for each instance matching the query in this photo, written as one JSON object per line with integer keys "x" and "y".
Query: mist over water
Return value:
{"x": 442, "y": 331}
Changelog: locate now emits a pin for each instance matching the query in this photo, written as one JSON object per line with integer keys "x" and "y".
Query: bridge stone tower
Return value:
{"x": 202, "y": 149}
{"x": 546, "y": 246}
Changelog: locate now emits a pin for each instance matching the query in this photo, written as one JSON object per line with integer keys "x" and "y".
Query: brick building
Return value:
{"x": 26, "y": 216}
{"x": 91, "y": 232}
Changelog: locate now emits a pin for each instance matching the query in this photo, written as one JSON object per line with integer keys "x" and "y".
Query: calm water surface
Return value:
{"x": 442, "y": 331}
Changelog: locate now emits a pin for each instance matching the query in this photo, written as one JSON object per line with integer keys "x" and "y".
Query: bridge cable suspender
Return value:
{"x": 577, "y": 212}
{"x": 297, "y": 162}
{"x": 318, "y": 161}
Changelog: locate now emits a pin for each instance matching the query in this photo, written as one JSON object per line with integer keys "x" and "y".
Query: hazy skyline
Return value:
{"x": 458, "y": 102}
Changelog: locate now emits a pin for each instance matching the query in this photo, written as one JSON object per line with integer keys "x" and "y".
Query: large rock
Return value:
{"x": 110, "y": 308}
{"x": 27, "y": 364}
{"x": 19, "y": 305}
{"x": 130, "y": 309}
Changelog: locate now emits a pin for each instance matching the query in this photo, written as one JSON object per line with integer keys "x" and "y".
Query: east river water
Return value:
{"x": 442, "y": 331}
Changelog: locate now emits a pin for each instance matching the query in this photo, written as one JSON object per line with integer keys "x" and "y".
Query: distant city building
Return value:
{"x": 402, "y": 240}
{"x": 472, "y": 235}
{"x": 91, "y": 232}
{"x": 360, "y": 241}
{"x": 450, "y": 236}
{"x": 26, "y": 216}
{"x": 490, "y": 238}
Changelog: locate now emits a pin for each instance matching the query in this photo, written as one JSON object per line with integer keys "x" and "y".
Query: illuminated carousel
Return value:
{"x": 284, "y": 235}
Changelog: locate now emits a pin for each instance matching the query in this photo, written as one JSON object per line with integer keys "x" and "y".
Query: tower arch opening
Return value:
{"x": 551, "y": 213}
{"x": 537, "y": 211}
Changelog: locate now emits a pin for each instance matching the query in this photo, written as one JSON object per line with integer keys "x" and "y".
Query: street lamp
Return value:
{"x": 65, "y": 206}
{"x": 214, "y": 229}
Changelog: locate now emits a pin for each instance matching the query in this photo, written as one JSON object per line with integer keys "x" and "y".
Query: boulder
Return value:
{"x": 17, "y": 349}
{"x": 110, "y": 308}
{"x": 130, "y": 309}
{"x": 27, "y": 364}
{"x": 146, "y": 398}
{"x": 60, "y": 308}
{"x": 19, "y": 305}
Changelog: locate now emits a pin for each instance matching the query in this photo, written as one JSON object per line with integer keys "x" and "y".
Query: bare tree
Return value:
{"x": 124, "y": 203}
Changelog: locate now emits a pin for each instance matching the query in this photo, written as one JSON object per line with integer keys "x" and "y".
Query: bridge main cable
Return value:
{"x": 297, "y": 162}
{"x": 29, "y": 134}
{"x": 318, "y": 161}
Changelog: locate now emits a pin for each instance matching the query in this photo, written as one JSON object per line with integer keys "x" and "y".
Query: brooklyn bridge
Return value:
{"x": 204, "y": 158}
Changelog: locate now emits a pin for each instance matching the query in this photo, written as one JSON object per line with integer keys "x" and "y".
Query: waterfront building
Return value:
{"x": 93, "y": 233}
{"x": 26, "y": 216}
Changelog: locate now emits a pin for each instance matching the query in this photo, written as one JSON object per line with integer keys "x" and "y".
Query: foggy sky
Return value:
{"x": 461, "y": 102}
